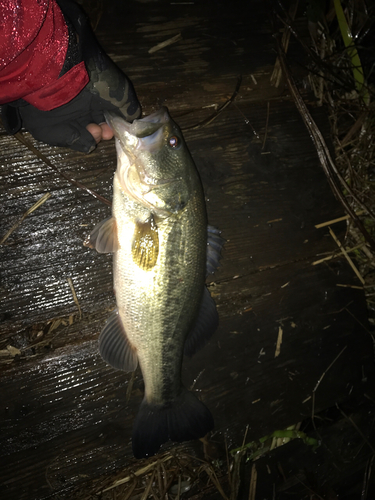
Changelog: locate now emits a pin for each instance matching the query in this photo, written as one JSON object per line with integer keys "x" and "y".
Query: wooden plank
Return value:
{"x": 71, "y": 408}
{"x": 66, "y": 418}
{"x": 245, "y": 190}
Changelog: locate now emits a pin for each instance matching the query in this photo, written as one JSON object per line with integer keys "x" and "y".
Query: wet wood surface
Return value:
{"x": 66, "y": 417}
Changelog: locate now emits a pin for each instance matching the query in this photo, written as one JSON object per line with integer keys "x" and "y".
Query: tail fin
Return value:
{"x": 183, "y": 419}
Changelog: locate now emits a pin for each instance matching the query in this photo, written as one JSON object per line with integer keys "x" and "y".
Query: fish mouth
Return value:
{"x": 142, "y": 135}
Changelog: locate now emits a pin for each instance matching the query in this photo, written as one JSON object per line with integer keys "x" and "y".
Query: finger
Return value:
{"x": 70, "y": 135}
{"x": 96, "y": 131}
{"x": 107, "y": 132}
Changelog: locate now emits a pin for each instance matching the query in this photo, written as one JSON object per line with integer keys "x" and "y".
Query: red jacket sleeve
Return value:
{"x": 33, "y": 44}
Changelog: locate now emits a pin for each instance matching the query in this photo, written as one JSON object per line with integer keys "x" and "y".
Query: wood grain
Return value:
{"x": 65, "y": 418}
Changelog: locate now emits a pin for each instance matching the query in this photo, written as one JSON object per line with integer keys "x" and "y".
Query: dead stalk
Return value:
{"x": 36, "y": 205}
{"x": 345, "y": 253}
{"x": 318, "y": 384}
{"x": 75, "y": 296}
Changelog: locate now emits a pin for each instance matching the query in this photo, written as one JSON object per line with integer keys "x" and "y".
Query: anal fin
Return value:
{"x": 114, "y": 345}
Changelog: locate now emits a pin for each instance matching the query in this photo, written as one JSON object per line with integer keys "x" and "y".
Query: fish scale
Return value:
{"x": 164, "y": 299}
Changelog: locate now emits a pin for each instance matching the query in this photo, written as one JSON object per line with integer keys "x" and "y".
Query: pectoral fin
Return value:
{"x": 145, "y": 249}
{"x": 104, "y": 236}
{"x": 215, "y": 244}
{"x": 204, "y": 327}
{"x": 114, "y": 345}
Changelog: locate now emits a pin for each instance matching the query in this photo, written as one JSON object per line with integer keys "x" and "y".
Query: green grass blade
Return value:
{"x": 352, "y": 51}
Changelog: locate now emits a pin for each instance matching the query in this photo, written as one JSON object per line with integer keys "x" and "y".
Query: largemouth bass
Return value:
{"x": 162, "y": 249}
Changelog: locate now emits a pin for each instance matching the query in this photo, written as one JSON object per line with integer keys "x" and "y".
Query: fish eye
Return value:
{"x": 174, "y": 142}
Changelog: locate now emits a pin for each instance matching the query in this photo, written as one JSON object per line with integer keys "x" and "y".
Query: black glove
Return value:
{"x": 108, "y": 89}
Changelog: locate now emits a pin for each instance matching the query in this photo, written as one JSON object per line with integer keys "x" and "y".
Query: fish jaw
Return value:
{"x": 154, "y": 165}
{"x": 145, "y": 134}
{"x": 141, "y": 128}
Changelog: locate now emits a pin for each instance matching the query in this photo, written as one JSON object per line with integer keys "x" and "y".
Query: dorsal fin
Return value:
{"x": 204, "y": 327}
{"x": 215, "y": 244}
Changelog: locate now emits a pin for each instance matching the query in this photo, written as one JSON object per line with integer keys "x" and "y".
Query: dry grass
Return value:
{"x": 350, "y": 169}
{"x": 353, "y": 132}
{"x": 172, "y": 474}
{"x": 166, "y": 476}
